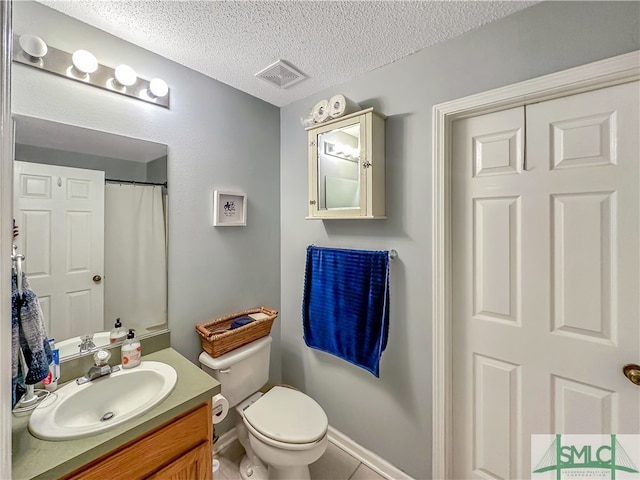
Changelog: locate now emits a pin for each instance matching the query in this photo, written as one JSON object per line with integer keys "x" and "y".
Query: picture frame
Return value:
{"x": 229, "y": 209}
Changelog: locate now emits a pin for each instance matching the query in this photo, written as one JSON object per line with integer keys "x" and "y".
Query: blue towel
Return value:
{"x": 240, "y": 322}
{"x": 27, "y": 333}
{"x": 345, "y": 307}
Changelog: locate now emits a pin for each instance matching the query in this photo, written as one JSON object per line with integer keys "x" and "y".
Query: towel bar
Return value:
{"x": 29, "y": 398}
{"x": 393, "y": 254}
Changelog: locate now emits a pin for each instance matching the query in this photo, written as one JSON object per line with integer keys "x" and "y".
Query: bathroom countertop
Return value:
{"x": 33, "y": 458}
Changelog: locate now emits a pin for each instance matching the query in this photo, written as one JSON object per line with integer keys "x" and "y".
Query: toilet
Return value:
{"x": 283, "y": 430}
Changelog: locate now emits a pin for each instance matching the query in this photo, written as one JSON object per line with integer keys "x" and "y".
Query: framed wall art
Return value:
{"x": 229, "y": 209}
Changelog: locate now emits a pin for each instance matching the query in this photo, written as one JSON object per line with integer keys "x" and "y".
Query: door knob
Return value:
{"x": 97, "y": 278}
{"x": 632, "y": 372}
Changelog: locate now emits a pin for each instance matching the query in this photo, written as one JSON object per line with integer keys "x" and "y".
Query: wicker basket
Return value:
{"x": 217, "y": 339}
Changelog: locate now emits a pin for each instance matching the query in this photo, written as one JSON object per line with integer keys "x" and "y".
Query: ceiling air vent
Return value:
{"x": 280, "y": 74}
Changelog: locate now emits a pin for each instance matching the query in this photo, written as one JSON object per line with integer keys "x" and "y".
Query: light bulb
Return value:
{"x": 158, "y": 88}
{"x": 125, "y": 75}
{"x": 84, "y": 62}
{"x": 34, "y": 47}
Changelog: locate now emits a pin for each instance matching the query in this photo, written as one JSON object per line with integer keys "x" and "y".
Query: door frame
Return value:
{"x": 6, "y": 213}
{"x": 612, "y": 71}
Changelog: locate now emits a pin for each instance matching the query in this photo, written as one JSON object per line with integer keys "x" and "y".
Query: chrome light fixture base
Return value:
{"x": 61, "y": 63}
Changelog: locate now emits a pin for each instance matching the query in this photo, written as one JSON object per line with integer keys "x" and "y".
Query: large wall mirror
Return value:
{"x": 90, "y": 209}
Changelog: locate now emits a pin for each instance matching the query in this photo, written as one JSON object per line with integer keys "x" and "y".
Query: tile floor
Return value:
{"x": 335, "y": 464}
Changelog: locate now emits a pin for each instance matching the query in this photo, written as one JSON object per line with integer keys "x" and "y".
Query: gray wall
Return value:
{"x": 217, "y": 137}
{"x": 157, "y": 170}
{"x": 392, "y": 415}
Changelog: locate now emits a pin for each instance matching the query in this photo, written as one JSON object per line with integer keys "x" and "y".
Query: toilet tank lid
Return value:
{"x": 288, "y": 416}
{"x": 234, "y": 356}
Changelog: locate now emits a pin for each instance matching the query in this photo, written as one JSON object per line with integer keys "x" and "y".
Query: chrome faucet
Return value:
{"x": 100, "y": 369}
{"x": 86, "y": 343}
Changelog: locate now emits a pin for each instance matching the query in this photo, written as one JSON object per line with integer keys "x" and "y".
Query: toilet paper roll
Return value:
{"x": 340, "y": 105}
{"x": 220, "y": 408}
{"x": 320, "y": 112}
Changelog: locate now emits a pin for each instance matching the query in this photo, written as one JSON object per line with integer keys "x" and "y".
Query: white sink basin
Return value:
{"x": 76, "y": 411}
{"x": 71, "y": 346}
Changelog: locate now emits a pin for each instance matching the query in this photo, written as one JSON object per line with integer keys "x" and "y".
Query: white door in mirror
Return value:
{"x": 56, "y": 207}
{"x": 77, "y": 411}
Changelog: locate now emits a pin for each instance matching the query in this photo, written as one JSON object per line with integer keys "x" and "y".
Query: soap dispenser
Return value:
{"x": 118, "y": 333}
{"x": 131, "y": 351}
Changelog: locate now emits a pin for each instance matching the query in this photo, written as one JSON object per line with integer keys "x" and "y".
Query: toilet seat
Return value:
{"x": 282, "y": 445}
{"x": 287, "y": 419}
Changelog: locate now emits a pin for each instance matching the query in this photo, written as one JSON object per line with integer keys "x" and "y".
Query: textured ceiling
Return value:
{"x": 328, "y": 41}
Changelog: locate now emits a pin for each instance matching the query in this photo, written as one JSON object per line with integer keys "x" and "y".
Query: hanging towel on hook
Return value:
{"x": 345, "y": 307}
{"x": 27, "y": 333}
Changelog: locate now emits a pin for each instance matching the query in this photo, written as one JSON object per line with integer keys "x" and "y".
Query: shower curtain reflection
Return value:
{"x": 135, "y": 242}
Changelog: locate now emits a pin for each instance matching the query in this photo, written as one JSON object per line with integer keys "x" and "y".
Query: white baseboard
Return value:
{"x": 340, "y": 440}
{"x": 367, "y": 457}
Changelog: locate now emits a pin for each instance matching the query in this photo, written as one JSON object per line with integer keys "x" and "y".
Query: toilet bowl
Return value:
{"x": 287, "y": 430}
{"x": 283, "y": 430}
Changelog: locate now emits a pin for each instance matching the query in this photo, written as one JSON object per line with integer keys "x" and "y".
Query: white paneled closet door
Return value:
{"x": 60, "y": 216}
{"x": 546, "y": 268}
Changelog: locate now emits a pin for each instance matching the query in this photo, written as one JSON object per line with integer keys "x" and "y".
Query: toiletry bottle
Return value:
{"x": 50, "y": 383}
{"x": 131, "y": 351}
{"x": 118, "y": 333}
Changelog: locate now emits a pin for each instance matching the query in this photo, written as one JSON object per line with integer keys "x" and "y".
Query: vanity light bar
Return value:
{"x": 80, "y": 67}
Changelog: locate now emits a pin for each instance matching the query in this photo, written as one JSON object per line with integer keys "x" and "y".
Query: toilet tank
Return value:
{"x": 242, "y": 371}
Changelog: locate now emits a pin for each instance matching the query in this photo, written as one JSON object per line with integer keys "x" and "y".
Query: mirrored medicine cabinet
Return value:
{"x": 347, "y": 167}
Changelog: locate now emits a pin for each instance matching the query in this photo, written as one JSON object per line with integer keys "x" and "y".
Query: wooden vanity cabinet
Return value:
{"x": 181, "y": 449}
